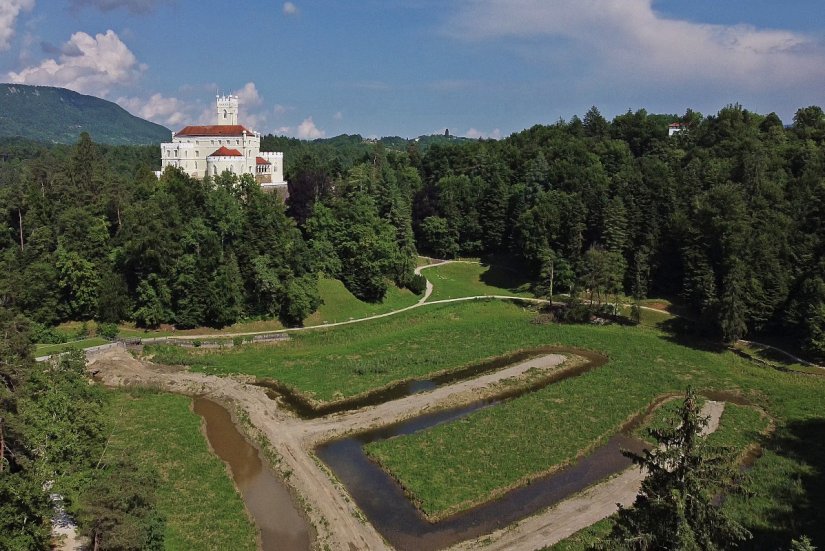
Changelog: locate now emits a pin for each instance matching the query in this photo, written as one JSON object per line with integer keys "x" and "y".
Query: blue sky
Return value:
{"x": 312, "y": 68}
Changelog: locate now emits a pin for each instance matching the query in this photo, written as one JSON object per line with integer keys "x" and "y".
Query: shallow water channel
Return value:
{"x": 267, "y": 499}
{"x": 307, "y": 409}
{"x": 383, "y": 501}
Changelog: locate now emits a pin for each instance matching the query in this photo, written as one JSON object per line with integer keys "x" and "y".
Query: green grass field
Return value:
{"x": 450, "y": 466}
{"x": 46, "y": 349}
{"x": 346, "y": 361}
{"x": 462, "y": 279}
{"x": 196, "y": 494}
{"x": 341, "y": 305}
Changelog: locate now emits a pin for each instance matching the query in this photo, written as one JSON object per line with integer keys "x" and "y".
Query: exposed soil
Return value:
{"x": 337, "y": 521}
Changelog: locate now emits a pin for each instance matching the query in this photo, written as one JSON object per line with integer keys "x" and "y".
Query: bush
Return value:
{"x": 575, "y": 312}
{"x": 237, "y": 341}
{"x": 46, "y": 335}
{"x": 107, "y": 331}
{"x": 82, "y": 331}
{"x": 196, "y": 343}
{"x": 417, "y": 284}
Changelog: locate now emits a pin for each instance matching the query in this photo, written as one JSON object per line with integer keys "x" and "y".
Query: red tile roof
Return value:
{"x": 225, "y": 152}
{"x": 261, "y": 161}
{"x": 215, "y": 130}
{"x": 676, "y": 125}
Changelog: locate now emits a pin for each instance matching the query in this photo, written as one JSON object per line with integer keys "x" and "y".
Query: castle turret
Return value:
{"x": 227, "y": 109}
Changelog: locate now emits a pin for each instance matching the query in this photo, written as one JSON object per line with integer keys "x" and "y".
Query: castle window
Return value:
{"x": 224, "y": 113}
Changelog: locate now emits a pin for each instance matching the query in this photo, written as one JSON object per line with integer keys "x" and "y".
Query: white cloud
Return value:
{"x": 88, "y": 65}
{"x": 281, "y": 109}
{"x": 133, "y": 6}
{"x": 9, "y": 11}
{"x": 283, "y": 130}
{"x": 250, "y": 112}
{"x": 478, "y": 134}
{"x": 308, "y": 131}
{"x": 290, "y": 8}
{"x": 248, "y": 95}
{"x": 628, "y": 40}
{"x": 162, "y": 110}
{"x": 338, "y": 116}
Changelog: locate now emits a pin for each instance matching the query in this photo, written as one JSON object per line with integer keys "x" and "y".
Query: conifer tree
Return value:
{"x": 674, "y": 508}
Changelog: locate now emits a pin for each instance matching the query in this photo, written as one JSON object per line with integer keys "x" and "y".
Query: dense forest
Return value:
{"x": 725, "y": 217}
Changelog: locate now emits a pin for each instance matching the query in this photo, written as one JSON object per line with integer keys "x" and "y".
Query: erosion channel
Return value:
{"x": 267, "y": 499}
{"x": 383, "y": 501}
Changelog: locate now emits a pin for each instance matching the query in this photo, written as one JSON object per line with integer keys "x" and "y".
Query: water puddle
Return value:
{"x": 269, "y": 502}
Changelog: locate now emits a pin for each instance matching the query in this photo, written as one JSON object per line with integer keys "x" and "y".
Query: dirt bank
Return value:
{"x": 331, "y": 511}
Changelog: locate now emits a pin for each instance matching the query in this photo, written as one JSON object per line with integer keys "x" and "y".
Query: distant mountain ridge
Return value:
{"x": 58, "y": 115}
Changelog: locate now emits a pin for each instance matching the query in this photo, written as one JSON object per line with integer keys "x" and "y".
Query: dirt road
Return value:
{"x": 332, "y": 512}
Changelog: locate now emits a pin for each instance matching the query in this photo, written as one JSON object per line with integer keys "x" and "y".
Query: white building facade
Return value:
{"x": 209, "y": 150}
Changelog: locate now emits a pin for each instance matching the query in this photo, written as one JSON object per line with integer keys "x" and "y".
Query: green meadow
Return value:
{"x": 196, "y": 494}
{"x": 470, "y": 279}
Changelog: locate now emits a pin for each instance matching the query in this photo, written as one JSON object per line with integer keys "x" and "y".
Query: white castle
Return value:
{"x": 209, "y": 150}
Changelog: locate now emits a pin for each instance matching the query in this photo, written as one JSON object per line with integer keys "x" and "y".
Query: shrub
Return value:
{"x": 417, "y": 284}
{"x": 237, "y": 341}
{"x": 196, "y": 343}
{"x": 82, "y": 331}
{"x": 46, "y": 335}
{"x": 107, "y": 331}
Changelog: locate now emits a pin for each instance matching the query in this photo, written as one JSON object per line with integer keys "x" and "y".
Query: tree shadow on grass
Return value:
{"x": 796, "y": 498}
{"x": 689, "y": 333}
{"x": 505, "y": 277}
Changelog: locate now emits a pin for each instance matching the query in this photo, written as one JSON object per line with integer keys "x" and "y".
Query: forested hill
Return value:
{"x": 58, "y": 115}
{"x": 727, "y": 218}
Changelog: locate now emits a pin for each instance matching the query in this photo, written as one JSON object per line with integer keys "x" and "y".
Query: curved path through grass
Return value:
{"x": 423, "y": 301}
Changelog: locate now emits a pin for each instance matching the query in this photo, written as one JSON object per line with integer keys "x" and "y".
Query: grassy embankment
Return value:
{"x": 46, "y": 349}
{"x": 465, "y": 279}
{"x": 195, "y": 494}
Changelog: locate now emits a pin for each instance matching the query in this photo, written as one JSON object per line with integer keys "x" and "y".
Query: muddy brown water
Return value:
{"x": 282, "y": 526}
{"x": 383, "y": 501}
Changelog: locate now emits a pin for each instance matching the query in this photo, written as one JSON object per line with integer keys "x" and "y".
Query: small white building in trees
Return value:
{"x": 209, "y": 150}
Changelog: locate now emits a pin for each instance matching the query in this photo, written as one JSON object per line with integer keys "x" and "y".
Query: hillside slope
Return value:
{"x": 58, "y": 115}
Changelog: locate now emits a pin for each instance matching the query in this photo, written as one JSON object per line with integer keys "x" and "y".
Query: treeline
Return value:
{"x": 97, "y": 236}
{"x": 53, "y": 431}
{"x": 725, "y": 216}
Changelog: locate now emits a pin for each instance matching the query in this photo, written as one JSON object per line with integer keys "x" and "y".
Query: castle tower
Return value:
{"x": 227, "y": 109}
